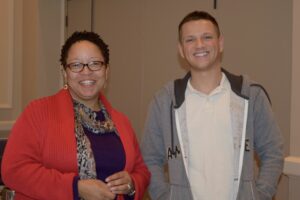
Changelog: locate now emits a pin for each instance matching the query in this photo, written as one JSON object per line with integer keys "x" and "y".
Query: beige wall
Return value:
{"x": 36, "y": 39}
{"x": 295, "y": 106}
{"x": 142, "y": 36}
{"x": 41, "y": 48}
{"x": 12, "y": 63}
{"x": 292, "y": 164}
{"x": 6, "y": 53}
{"x": 79, "y": 15}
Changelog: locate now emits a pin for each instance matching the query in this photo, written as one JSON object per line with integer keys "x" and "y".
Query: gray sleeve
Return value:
{"x": 153, "y": 152}
{"x": 268, "y": 145}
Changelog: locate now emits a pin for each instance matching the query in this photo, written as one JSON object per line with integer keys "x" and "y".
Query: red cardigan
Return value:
{"x": 40, "y": 159}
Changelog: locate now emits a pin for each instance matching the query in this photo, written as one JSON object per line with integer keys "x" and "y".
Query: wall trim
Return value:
{"x": 292, "y": 166}
{"x": 10, "y": 49}
{"x": 295, "y": 94}
{"x": 62, "y": 35}
{"x": 6, "y": 125}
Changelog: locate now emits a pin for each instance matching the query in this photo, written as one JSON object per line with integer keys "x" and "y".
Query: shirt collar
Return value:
{"x": 224, "y": 86}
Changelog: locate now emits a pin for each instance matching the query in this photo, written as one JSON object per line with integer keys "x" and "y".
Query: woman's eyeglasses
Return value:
{"x": 93, "y": 66}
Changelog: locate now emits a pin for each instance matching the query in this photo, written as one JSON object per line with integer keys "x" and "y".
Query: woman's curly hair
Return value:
{"x": 81, "y": 36}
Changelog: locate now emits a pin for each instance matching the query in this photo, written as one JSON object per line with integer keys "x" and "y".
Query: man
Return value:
{"x": 206, "y": 127}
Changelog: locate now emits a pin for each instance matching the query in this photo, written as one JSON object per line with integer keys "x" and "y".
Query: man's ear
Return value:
{"x": 180, "y": 49}
{"x": 221, "y": 43}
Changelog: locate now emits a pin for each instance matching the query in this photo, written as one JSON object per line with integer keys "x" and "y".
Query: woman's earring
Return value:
{"x": 63, "y": 72}
{"x": 66, "y": 86}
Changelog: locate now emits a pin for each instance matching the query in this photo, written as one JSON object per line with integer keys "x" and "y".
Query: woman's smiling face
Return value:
{"x": 85, "y": 85}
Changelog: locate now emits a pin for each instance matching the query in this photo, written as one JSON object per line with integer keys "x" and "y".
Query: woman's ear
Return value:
{"x": 106, "y": 76}
{"x": 64, "y": 76}
{"x": 106, "y": 72}
{"x": 64, "y": 73}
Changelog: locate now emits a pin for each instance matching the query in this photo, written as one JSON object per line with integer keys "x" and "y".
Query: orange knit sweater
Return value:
{"x": 40, "y": 159}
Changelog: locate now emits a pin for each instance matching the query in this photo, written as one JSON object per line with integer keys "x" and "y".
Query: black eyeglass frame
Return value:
{"x": 83, "y": 65}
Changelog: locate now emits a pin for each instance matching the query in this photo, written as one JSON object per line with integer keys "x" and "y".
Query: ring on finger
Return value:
{"x": 129, "y": 187}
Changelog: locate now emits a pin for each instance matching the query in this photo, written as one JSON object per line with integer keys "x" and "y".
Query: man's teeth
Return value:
{"x": 201, "y": 53}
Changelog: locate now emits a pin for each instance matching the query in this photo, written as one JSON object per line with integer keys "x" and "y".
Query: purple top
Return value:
{"x": 109, "y": 154}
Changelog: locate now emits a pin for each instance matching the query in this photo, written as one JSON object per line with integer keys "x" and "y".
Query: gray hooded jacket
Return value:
{"x": 164, "y": 145}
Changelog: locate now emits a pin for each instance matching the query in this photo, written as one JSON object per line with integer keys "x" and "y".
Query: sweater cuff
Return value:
{"x": 75, "y": 188}
{"x": 127, "y": 197}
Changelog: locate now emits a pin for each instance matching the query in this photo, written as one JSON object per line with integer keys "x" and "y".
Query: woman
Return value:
{"x": 74, "y": 145}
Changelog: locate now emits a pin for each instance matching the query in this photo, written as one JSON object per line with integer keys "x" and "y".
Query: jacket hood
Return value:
{"x": 236, "y": 83}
